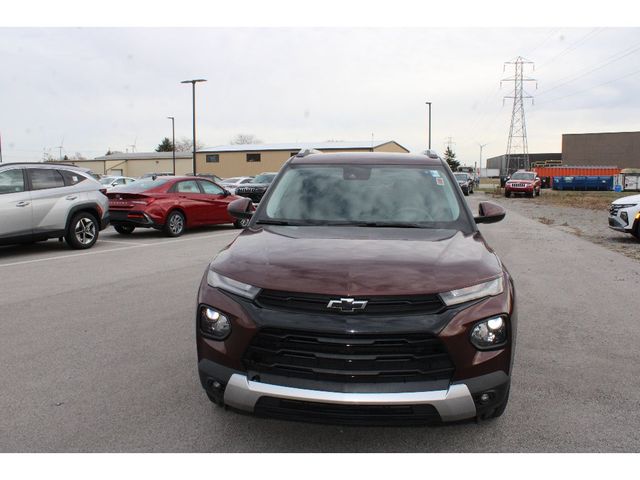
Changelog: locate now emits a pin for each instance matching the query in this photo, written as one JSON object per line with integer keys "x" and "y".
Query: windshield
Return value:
{"x": 230, "y": 180}
{"x": 460, "y": 176}
{"x": 264, "y": 178}
{"x": 142, "y": 185}
{"x": 365, "y": 196}
{"x": 523, "y": 176}
{"x": 106, "y": 180}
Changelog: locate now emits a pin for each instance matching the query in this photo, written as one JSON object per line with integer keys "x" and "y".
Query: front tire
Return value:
{"x": 175, "y": 224}
{"x": 83, "y": 231}
{"x": 507, "y": 194}
{"x": 124, "y": 229}
{"x": 636, "y": 231}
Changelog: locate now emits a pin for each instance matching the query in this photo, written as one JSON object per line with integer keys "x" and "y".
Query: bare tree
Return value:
{"x": 245, "y": 139}
{"x": 78, "y": 156}
{"x": 186, "y": 145}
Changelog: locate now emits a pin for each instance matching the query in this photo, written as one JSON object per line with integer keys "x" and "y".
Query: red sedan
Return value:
{"x": 171, "y": 204}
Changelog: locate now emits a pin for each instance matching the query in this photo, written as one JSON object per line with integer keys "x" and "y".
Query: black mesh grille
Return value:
{"x": 377, "y": 305}
{"x": 346, "y": 358}
{"x": 347, "y": 414}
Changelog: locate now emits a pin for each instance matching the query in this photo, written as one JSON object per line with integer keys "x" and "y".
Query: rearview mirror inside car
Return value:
{"x": 490, "y": 213}
{"x": 241, "y": 208}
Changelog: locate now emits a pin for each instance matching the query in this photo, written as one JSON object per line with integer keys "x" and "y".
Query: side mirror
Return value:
{"x": 241, "y": 208}
{"x": 490, "y": 213}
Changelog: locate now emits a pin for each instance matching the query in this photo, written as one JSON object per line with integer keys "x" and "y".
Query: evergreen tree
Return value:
{"x": 165, "y": 145}
{"x": 450, "y": 157}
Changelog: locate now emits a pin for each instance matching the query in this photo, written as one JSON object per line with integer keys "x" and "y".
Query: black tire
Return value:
{"x": 466, "y": 192}
{"x": 507, "y": 194}
{"x": 636, "y": 231}
{"x": 124, "y": 229}
{"x": 83, "y": 231}
{"x": 241, "y": 223}
{"x": 175, "y": 224}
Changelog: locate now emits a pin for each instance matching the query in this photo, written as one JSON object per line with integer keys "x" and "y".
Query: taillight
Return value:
{"x": 146, "y": 201}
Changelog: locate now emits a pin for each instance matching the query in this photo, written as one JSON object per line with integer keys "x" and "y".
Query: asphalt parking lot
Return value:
{"x": 97, "y": 353}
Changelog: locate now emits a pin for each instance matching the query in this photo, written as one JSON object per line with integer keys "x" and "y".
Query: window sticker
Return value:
{"x": 440, "y": 181}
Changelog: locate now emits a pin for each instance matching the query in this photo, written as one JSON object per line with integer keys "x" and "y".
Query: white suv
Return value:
{"x": 42, "y": 200}
{"x": 624, "y": 215}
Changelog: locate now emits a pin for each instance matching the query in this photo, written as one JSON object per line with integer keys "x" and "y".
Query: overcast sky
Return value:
{"x": 93, "y": 89}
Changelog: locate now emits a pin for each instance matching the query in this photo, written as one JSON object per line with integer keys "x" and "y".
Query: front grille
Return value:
{"x": 347, "y": 358}
{"x": 347, "y": 414}
{"x": 519, "y": 185}
{"x": 377, "y": 305}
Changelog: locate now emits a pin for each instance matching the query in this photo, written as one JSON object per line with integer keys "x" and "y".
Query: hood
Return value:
{"x": 358, "y": 260}
{"x": 627, "y": 200}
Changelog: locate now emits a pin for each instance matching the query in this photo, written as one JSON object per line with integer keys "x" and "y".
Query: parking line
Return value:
{"x": 138, "y": 245}
{"x": 125, "y": 243}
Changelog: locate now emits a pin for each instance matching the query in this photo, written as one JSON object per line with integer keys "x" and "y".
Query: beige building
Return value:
{"x": 244, "y": 160}
{"x": 137, "y": 164}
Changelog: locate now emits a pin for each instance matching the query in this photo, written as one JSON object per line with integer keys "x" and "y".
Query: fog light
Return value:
{"x": 485, "y": 397}
{"x": 624, "y": 217}
{"x": 489, "y": 333}
{"x": 214, "y": 324}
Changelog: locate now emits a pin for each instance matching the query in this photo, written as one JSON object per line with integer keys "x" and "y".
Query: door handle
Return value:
{"x": 22, "y": 204}
{"x": 72, "y": 197}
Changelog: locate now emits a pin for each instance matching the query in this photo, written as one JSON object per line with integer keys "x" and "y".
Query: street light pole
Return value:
{"x": 173, "y": 131}
{"x": 429, "y": 103}
{"x": 482, "y": 145}
{"x": 193, "y": 99}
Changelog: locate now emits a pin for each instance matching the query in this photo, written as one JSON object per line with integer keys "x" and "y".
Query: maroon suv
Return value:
{"x": 361, "y": 291}
{"x": 527, "y": 183}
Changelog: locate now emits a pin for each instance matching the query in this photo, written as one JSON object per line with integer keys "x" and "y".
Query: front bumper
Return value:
{"x": 460, "y": 401}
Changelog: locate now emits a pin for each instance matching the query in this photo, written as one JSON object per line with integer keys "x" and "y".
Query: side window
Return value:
{"x": 11, "y": 181}
{"x": 210, "y": 188}
{"x": 188, "y": 186}
{"x": 44, "y": 178}
{"x": 253, "y": 157}
{"x": 120, "y": 181}
{"x": 246, "y": 180}
{"x": 71, "y": 178}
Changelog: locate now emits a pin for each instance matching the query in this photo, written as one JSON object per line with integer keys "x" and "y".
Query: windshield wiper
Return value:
{"x": 390, "y": 224}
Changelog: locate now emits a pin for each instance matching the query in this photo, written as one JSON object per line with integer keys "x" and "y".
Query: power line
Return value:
{"x": 576, "y": 76}
{"x": 591, "y": 88}
{"x": 592, "y": 33}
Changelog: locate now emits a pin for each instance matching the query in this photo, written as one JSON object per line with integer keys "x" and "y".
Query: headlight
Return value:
{"x": 230, "y": 285}
{"x": 626, "y": 205}
{"x": 214, "y": 324}
{"x": 489, "y": 333}
{"x": 487, "y": 289}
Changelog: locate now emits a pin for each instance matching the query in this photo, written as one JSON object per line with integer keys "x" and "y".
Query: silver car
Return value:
{"x": 40, "y": 201}
{"x": 113, "y": 181}
{"x": 232, "y": 183}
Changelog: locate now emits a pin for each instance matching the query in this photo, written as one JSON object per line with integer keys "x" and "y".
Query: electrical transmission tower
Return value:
{"x": 517, "y": 147}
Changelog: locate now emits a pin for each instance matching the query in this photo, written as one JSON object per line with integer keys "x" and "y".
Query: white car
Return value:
{"x": 112, "y": 181}
{"x": 624, "y": 215}
{"x": 232, "y": 183}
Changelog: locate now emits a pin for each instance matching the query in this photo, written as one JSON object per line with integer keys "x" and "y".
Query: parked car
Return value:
{"x": 39, "y": 201}
{"x": 210, "y": 176}
{"x": 624, "y": 215}
{"x": 523, "y": 182}
{"x": 112, "y": 181}
{"x": 466, "y": 182}
{"x": 257, "y": 187}
{"x": 361, "y": 290}
{"x": 170, "y": 204}
{"x": 232, "y": 183}
{"x": 159, "y": 174}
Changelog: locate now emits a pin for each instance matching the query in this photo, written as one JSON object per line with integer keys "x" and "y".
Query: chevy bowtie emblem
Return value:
{"x": 347, "y": 304}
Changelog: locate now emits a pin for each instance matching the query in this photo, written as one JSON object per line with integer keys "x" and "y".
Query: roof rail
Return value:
{"x": 307, "y": 151}
{"x": 431, "y": 153}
